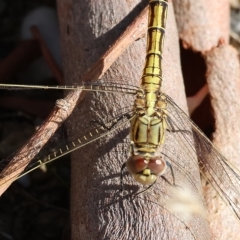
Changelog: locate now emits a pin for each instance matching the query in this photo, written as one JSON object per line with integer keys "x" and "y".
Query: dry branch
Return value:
{"x": 22, "y": 158}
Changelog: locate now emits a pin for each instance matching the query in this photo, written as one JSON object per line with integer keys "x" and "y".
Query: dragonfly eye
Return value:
{"x": 136, "y": 164}
{"x": 157, "y": 165}
{"x": 145, "y": 171}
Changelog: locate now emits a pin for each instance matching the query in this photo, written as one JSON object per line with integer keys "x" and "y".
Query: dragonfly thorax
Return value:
{"x": 146, "y": 168}
{"x": 148, "y": 128}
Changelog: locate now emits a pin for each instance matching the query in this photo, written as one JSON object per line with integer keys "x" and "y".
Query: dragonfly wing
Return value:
{"x": 90, "y": 133}
{"x": 120, "y": 85}
{"x": 220, "y": 173}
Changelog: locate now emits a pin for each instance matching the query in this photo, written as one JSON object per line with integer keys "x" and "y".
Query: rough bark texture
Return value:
{"x": 223, "y": 78}
{"x": 87, "y": 30}
{"x": 203, "y": 26}
{"x": 202, "y": 23}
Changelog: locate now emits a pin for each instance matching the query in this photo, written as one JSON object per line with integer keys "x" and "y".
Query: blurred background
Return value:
{"x": 37, "y": 206}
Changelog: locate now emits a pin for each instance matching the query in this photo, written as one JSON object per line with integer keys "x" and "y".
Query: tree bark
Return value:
{"x": 204, "y": 27}
{"x": 223, "y": 78}
{"x": 88, "y": 28}
{"x": 202, "y": 23}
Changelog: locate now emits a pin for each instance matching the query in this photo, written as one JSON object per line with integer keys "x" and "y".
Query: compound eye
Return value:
{"x": 136, "y": 164}
{"x": 157, "y": 165}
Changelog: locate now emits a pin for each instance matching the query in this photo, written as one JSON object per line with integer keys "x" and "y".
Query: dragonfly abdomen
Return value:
{"x": 152, "y": 72}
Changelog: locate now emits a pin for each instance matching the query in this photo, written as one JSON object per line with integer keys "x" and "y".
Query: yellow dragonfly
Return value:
{"x": 156, "y": 122}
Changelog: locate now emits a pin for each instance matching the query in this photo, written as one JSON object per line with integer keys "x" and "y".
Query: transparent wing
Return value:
{"x": 95, "y": 130}
{"x": 123, "y": 85}
{"x": 183, "y": 142}
{"x": 186, "y": 147}
{"x": 219, "y": 172}
{"x": 84, "y": 135}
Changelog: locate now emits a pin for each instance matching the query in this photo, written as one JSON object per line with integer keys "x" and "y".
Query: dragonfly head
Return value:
{"x": 145, "y": 169}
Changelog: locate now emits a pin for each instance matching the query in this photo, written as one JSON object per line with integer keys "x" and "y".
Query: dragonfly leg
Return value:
{"x": 173, "y": 176}
{"x": 170, "y": 127}
{"x": 102, "y": 124}
{"x": 172, "y": 172}
{"x": 145, "y": 190}
{"x": 121, "y": 177}
{"x": 166, "y": 180}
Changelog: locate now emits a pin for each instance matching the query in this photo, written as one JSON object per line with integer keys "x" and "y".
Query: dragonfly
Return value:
{"x": 156, "y": 123}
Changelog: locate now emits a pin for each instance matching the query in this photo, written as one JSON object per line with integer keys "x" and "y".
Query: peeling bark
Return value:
{"x": 202, "y": 23}
{"x": 223, "y": 78}
{"x": 203, "y": 27}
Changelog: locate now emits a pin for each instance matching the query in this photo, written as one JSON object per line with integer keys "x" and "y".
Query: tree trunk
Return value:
{"x": 88, "y": 28}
